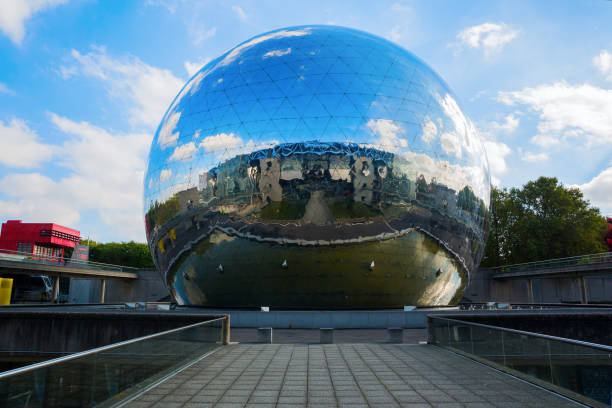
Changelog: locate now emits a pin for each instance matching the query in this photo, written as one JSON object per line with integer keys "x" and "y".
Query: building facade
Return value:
{"x": 46, "y": 241}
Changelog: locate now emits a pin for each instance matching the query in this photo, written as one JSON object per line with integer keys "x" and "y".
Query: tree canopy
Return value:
{"x": 541, "y": 220}
{"x": 131, "y": 253}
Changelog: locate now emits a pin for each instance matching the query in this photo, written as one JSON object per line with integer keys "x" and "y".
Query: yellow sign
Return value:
{"x": 6, "y": 286}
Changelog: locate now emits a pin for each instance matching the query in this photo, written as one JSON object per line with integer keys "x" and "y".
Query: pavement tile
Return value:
{"x": 292, "y": 393}
{"x": 150, "y": 397}
{"x": 291, "y": 400}
{"x": 338, "y": 375}
{"x": 322, "y": 400}
{"x": 167, "y": 405}
{"x": 199, "y": 398}
{"x": 263, "y": 400}
{"x": 234, "y": 399}
{"x": 175, "y": 398}
{"x": 140, "y": 404}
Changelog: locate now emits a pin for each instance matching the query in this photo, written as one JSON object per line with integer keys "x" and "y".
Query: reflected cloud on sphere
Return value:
{"x": 320, "y": 167}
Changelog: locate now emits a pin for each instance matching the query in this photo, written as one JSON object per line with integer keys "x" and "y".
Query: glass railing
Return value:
{"x": 600, "y": 258}
{"x": 110, "y": 374}
{"x": 579, "y": 370}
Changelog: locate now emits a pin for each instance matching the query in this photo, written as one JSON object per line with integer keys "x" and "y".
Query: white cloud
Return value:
{"x": 234, "y": 53}
{"x": 195, "y": 66}
{"x": 510, "y": 124}
{"x": 400, "y": 7}
{"x": 452, "y": 175}
{"x": 165, "y": 175}
{"x": 603, "y": 62}
{"x": 464, "y": 135}
{"x": 239, "y": 12}
{"x": 489, "y": 37}
{"x": 277, "y": 53}
{"x": 450, "y": 143}
{"x": 599, "y": 191}
{"x": 545, "y": 141}
{"x": 5, "y": 89}
{"x": 567, "y": 112}
{"x": 42, "y": 205}
{"x": 14, "y": 13}
{"x": 194, "y": 85}
{"x": 388, "y": 133}
{"x": 228, "y": 145}
{"x": 496, "y": 153}
{"x": 169, "y": 5}
{"x": 430, "y": 131}
{"x": 146, "y": 90}
{"x": 200, "y": 33}
{"x": 395, "y": 34}
{"x": 21, "y": 147}
{"x": 183, "y": 152}
{"x": 496, "y": 150}
{"x": 167, "y": 135}
{"x": 531, "y": 157}
{"x": 105, "y": 173}
{"x": 220, "y": 142}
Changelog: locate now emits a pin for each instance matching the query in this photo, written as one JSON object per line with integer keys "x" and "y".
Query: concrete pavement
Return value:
{"x": 338, "y": 375}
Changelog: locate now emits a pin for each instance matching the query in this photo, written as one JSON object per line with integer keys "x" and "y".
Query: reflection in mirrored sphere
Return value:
{"x": 316, "y": 167}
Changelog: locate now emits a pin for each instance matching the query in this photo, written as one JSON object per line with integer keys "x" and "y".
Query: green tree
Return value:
{"x": 421, "y": 184}
{"x": 541, "y": 220}
{"x": 467, "y": 200}
{"x": 131, "y": 253}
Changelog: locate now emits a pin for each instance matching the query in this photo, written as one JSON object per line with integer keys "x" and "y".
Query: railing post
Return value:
{"x": 431, "y": 336}
{"x": 530, "y": 296}
{"x": 503, "y": 347}
{"x": 102, "y": 290}
{"x": 55, "y": 288}
{"x": 583, "y": 290}
{"x": 226, "y": 330}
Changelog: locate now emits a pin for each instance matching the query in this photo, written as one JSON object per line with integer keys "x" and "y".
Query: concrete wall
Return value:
{"x": 148, "y": 287}
{"x": 69, "y": 332}
{"x": 483, "y": 288}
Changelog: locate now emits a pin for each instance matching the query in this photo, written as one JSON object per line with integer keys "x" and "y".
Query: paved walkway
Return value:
{"x": 339, "y": 375}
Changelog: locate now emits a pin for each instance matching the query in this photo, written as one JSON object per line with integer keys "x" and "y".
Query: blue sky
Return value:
{"x": 84, "y": 85}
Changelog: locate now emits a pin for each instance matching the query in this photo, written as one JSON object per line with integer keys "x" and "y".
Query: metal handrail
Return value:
{"x": 97, "y": 350}
{"x": 518, "y": 306}
{"x": 531, "y": 334}
{"x": 551, "y": 263}
{"x": 63, "y": 260}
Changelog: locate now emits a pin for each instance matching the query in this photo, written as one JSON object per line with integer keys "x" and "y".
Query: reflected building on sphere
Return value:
{"x": 316, "y": 167}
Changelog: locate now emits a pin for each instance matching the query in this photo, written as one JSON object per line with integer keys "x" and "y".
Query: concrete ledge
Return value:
{"x": 357, "y": 319}
{"x": 338, "y": 319}
{"x": 27, "y": 268}
{"x": 264, "y": 335}
{"x": 327, "y": 335}
{"x": 395, "y": 335}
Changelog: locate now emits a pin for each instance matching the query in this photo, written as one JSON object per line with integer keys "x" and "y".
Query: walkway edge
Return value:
{"x": 163, "y": 379}
{"x": 498, "y": 368}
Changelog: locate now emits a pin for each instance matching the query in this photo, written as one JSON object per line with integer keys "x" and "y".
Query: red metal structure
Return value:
{"x": 41, "y": 240}
{"x": 609, "y": 234}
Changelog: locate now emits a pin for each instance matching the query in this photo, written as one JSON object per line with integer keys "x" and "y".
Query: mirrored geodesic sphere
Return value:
{"x": 316, "y": 167}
